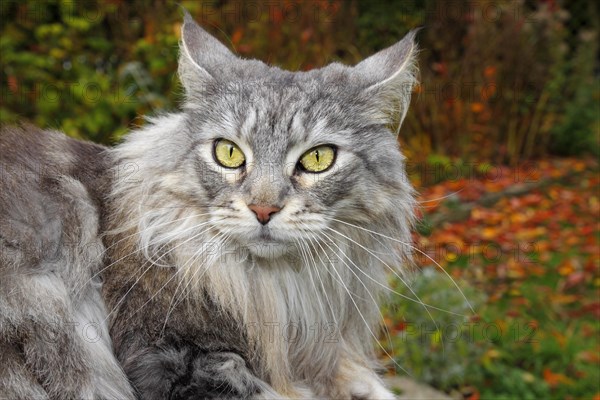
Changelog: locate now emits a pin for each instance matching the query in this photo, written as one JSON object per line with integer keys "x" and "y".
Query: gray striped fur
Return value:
{"x": 201, "y": 300}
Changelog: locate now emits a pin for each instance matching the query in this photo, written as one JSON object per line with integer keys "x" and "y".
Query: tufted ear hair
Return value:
{"x": 202, "y": 57}
{"x": 390, "y": 76}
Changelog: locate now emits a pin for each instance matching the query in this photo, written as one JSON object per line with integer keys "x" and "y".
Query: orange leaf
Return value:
{"x": 237, "y": 36}
{"x": 489, "y": 233}
{"x": 489, "y": 71}
{"x": 474, "y": 396}
{"x": 306, "y": 35}
{"x": 527, "y": 234}
{"x": 554, "y": 379}
{"x": 563, "y": 298}
{"x": 567, "y": 268}
{"x": 477, "y": 107}
{"x": 589, "y": 356}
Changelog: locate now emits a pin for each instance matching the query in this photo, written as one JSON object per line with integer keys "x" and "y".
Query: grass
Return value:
{"x": 529, "y": 266}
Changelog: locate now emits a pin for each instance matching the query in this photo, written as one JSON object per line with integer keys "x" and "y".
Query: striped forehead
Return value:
{"x": 269, "y": 123}
{"x": 270, "y": 131}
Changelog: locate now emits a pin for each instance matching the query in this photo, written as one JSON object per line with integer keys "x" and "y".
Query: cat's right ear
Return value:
{"x": 202, "y": 57}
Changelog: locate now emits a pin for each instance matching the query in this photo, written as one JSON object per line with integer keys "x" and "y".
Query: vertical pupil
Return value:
{"x": 230, "y": 151}
{"x": 317, "y": 155}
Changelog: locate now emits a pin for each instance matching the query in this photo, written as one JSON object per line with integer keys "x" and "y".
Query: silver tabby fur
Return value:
{"x": 200, "y": 299}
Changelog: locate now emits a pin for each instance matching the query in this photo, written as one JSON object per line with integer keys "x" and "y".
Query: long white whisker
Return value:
{"x": 391, "y": 269}
{"x": 173, "y": 304}
{"x": 365, "y": 321}
{"x": 306, "y": 250}
{"x": 317, "y": 241}
{"x": 177, "y": 298}
{"x": 141, "y": 231}
{"x": 174, "y": 235}
{"x": 137, "y": 232}
{"x": 414, "y": 248}
{"x": 147, "y": 269}
{"x": 167, "y": 282}
{"x": 387, "y": 332}
{"x": 398, "y": 293}
{"x": 441, "y": 198}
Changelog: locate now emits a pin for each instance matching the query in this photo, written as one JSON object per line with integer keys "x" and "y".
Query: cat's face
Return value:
{"x": 274, "y": 157}
{"x": 277, "y": 160}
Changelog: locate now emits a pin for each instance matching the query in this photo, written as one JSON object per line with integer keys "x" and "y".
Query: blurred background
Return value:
{"x": 502, "y": 140}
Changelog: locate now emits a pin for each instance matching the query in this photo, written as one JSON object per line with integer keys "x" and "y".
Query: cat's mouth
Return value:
{"x": 266, "y": 235}
{"x": 266, "y": 245}
{"x": 269, "y": 249}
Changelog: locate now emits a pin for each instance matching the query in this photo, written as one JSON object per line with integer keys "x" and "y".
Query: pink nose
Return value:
{"x": 263, "y": 213}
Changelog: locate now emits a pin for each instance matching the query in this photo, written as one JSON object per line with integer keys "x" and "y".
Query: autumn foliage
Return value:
{"x": 523, "y": 246}
{"x": 507, "y": 247}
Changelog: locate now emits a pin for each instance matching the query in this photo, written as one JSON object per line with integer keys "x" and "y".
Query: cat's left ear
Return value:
{"x": 202, "y": 57}
{"x": 390, "y": 76}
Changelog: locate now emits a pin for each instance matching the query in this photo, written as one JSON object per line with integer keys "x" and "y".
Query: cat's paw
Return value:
{"x": 361, "y": 383}
{"x": 297, "y": 391}
{"x": 218, "y": 375}
{"x": 370, "y": 388}
{"x": 190, "y": 373}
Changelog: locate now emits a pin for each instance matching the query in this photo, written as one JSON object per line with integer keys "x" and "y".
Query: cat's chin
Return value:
{"x": 270, "y": 250}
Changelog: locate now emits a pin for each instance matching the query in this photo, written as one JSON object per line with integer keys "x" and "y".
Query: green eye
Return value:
{"x": 228, "y": 154}
{"x": 318, "y": 159}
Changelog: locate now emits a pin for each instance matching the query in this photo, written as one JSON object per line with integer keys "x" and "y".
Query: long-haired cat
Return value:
{"x": 243, "y": 244}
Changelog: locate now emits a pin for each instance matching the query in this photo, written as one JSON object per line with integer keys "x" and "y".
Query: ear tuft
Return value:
{"x": 202, "y": 56}
{"x": 391, "y": 76}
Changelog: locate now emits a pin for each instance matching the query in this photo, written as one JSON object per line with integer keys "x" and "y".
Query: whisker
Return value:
{"x": 324, "y": 263}
{"x": 318, "y": 274}
{"x": 174, "y": 303}
{"x": 147, "y": 269}
{"x": 366, "y": 323}
{"x": 418, "y": 250}
{"x": 391, "y": 269}
{"x": 386, "y": 330}
{"x": 305, "y": 259}
{"x": 441, "y": 198}
{"x": 321, "y": 279}
{"x": 398, "y": 293}
{"x": 137, "y": 232}
{"x": 170, "y": 237}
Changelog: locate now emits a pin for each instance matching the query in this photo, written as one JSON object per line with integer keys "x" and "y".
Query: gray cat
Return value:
{"x": 238, "y": 249}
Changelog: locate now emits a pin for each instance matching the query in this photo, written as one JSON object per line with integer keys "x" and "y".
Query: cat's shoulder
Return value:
{"x": 26, "y": 145}
{"x": 51, "y": 186}
{"x": 29, "y": 155}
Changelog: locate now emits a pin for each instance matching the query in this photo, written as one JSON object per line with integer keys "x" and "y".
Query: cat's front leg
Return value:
{"x": 16, "y": 380}
{"x": 361, "y": 383}
{"x": 190, "y": 373}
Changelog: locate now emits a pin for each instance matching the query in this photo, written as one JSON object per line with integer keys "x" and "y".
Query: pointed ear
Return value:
{"x": 391, "y": 75}
{"x": 202, "y": 57}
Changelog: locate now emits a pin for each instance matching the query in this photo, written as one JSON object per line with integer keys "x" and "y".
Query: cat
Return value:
{"x": 237, "y": 249}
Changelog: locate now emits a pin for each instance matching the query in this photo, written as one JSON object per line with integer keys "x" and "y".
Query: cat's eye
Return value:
{"x": 318, "y": 159}
{"x": 228, "y": 154}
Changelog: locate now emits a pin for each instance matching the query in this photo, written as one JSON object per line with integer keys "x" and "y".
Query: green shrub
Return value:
{"x": 436, "y": 347}
{"x": 92, "y": 68}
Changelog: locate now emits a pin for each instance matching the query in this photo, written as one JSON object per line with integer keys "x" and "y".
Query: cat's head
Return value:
{"x": 269, "y": 157}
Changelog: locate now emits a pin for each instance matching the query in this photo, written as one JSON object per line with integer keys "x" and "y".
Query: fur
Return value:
{"x": 200, "y": 299}
{"x": 54, "y": 339}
